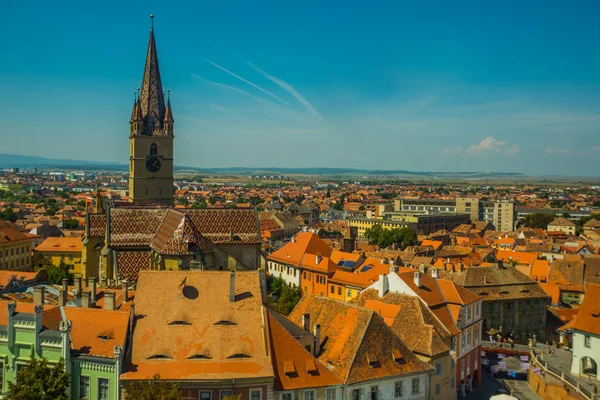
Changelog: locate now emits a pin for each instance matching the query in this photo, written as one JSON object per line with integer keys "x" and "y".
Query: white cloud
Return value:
{"x": 487, "y": 146}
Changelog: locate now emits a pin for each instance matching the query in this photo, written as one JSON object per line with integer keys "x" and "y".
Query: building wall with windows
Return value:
{"x": 290, "y": 274}
{"x": 443, "y": 381}
{"x": 56, "y": 250}
{"x": 323, "y": 393}
{"x": 586, "y": 353}
{"x": 411, "y": 387}
{"x": 96, "y": 378}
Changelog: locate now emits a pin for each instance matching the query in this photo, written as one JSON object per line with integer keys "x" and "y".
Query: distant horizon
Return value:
{"x": 82, "y": 164}
{"x": 393, "y": 86}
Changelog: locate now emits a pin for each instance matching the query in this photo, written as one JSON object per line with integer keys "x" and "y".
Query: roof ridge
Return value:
{"x": 362, "y": 337}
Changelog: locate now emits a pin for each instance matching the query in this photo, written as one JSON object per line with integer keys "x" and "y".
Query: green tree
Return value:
{"x": 566, "y": 214}
{"x": 70, "y": 224}
{"x": 9, "y": 215}
{"x": 38, "y": 380}
{"x": 56, "y": 274}
{"x": 285, "y": 296}
{"x": 538, "y": 220}
{"x": 383, "y": 238}
{"x": 153, "y": 389}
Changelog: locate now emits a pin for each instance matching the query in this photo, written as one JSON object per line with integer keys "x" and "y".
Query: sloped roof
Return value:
{"x": 355, "y": 335}
{"x": 227, "y": 226}
{"x": 287, "y": 352}
{"x": 588, "y": 316}
{"x": 187, "y": 328}
{"x": 10, "y": 234}
{"x": 176, "y": 233}
{"x": 60, "y": 245}
{"x": 413, "y": 322}
{"x": 97, "y": 331}
{"x": 305, "y": 247}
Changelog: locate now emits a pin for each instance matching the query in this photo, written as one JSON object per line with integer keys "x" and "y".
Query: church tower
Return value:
{"x": 151, "y": 137}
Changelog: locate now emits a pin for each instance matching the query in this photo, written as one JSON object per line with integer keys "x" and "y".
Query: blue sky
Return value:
{"x": 507, "y": 86}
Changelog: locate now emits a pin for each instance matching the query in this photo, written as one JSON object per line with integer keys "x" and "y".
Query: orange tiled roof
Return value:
{"x": 96, "y": 331}
{"x": 290, "y": 361}
{"x": 60, "y": 245}
{"x": 588, "y": 316}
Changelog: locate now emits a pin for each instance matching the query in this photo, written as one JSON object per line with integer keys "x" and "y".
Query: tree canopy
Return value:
{"x": 38, "y": 380}
{"x": 383, "y": 238}
{"x": 153, "y": 389}
{"x": 538, "y": 220}
{"x": 285, "y": 296}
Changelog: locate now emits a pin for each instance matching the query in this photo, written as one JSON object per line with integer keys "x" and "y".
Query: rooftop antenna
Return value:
{"x": 152, "y": 22}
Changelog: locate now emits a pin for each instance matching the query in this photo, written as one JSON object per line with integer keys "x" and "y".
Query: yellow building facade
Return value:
{"x": 56, "y": 250}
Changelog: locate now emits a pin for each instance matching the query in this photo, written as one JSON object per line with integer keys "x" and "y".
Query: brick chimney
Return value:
{"x": 125, "y": 292}
{"x": 86, "y": 299}
{"x": 232, "y": 286}
{"x": 39, "y": 293}
{"x": 62, "y": 298}
{"x": 383, "y": 285}
{"x": 109, "y": 301}
{"x": 77, "y": 288}
{"x": 306, "y": 322}
{"x": 317, "y": 334}
{"x": 417, "y": 279}
{"x": 92, "y": 288}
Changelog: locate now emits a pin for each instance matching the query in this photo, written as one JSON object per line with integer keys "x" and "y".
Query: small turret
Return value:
{"x": 137, "y": 122}
{"x": 168, "y": 121}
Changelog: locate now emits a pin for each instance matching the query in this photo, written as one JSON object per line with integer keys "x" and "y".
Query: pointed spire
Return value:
{"x": 151, "y": 97}
{"x": 168, "y": 112}
{"x": 135, "y": 104}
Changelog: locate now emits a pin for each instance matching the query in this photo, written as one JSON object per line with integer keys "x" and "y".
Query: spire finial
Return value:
{"x": 152, "y": 22}
{"x": 168, "y": 94}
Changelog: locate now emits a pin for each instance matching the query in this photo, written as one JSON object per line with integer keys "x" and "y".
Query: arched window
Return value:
{"x": 153, "y": 149}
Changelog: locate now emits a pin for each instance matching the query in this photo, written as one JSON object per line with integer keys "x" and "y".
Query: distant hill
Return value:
{"x": 24, "y": 162}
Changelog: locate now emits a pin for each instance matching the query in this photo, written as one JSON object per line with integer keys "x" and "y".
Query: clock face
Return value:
{"x": 153, "y": 164}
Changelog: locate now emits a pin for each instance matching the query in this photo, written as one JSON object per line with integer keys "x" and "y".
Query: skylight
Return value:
{"x": 225, "y": 322}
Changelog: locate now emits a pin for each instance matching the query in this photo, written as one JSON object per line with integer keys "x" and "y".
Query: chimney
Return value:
{"x": 422, "y": 268}
{"x": 317, "y": 334}
{"x": 384, "y": 261}
{"x": 109, "y": 301}
{"x": 92, "y": 289}
{"x": 500, "y": 264}
{"x": 39, "y": 293}
{"x": 435, "y": 273}
{"x": 293, "y": 238}
{"x": 65, "y": 284}
{"x": 383, "y": 285}
{"x": 62, "y": 298}
{"x": 77, "y": 287}
{"x": 232, "y": 286}
{"x": 417, "y": 279}
{"x": 393, "y": 269}
{"x": 318, "y": 259}
{"x": 125, "y": 292}
{"x": 85, "y": 299}
{"x": 305, "y": 228}
{"x": 306, "y": 322}
{"x": 461, "y": 266}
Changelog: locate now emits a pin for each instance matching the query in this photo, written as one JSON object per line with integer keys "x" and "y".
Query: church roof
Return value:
{"x": 152, "y": 99}
{"x": 176, "y": 233}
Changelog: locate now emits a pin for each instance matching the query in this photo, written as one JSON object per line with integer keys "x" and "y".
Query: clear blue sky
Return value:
{"x": 420, "y": 85}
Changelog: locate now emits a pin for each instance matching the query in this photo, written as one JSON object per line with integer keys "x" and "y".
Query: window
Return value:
{"x": 339, "y": 290}
{"x": 453, "y": 364}
{"x": 349, "y": 294}
{"x": 438, "y": 369}
{"x": 437, "y": 388}
{"x": 330, "y": 394}
{"x": 208, "y": 396}
{"x": 309, "y": 395}
{"x": 587, "y": 341}
{"x": 452, "y": 383}
{"x": 226, "y": 393}
{"x": 398, "y": 389}
{"x": 255, "y": 394}
{"x": 103, "y": 389}
{"x": 84, "y": 387}
{"x": 153, "y": 149}
{"x": 356, "y": 394}
{"x": 70, "y": 257}
{"x": 374, "y": 392}
{"x": 416, "y": 385}
{"x": 332, "y": 289}
{"x": 1, "y": 376}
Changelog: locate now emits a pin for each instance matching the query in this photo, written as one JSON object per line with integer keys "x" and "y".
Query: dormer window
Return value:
{"x": 104, "y": 338}
{"x": 179, "y": 322}
{"x": 397, "y": 355}
{"x": 372, "y": 360}
{"x": 239, "y": 355}
{"x": 225, "y": 322}
{"x": 199, "y": 357}
{"x": 158, "y": 357}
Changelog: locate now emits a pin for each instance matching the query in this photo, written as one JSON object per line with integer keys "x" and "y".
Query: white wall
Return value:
{"x": 580, "y": 351}
{"x": 278, "y": 270}
{"x": 386, "y": 388}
